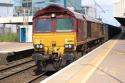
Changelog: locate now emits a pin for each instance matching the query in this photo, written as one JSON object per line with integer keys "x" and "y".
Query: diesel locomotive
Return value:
{"x": 59, "y": 33}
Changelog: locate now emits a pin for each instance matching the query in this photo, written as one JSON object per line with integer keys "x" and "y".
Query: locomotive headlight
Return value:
{"x": 66, "y": 46}
{"x": 70, "y": 46}
{"x": 37, "y": 46}
{"x": 40, "y": 46}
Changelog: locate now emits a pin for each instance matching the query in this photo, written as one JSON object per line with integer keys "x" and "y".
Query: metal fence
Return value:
{"x": 4, "y": 31}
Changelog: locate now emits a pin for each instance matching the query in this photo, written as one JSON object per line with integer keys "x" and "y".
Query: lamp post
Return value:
{"x": 65, "y": 4}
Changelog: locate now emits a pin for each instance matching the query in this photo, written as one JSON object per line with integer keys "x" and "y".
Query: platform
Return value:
{"x": 9, "y": 49}
{"x": 105, "y": 64}
{"x": 14, "y": 46}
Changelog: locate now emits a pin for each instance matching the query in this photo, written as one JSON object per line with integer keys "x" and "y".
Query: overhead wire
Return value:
{"x": 96, "y": 4}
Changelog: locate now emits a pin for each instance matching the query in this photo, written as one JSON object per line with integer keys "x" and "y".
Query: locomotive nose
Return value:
{"x": 53, "y": 43}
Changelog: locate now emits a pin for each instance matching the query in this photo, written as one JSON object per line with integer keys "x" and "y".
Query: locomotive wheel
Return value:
{"x": 78, "y": 55}
{"x": 68, "y": 58}
{"x": 57, "y": 63}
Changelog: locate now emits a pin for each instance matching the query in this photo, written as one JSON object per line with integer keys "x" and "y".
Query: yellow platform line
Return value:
{"x": 83, "y": 75}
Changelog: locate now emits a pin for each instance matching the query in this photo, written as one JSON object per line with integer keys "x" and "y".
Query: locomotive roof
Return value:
{"x": 78, "y": 16}
{"x": 92, "y": 19}
{"x": 58, "y": 9}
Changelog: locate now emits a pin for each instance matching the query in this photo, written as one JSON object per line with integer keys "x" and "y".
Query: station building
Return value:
{"x": 119, "y": 11}
{"x": 29, "y": 7}
{"x": 23, "y": 8}
{"x": 6, "y": 9}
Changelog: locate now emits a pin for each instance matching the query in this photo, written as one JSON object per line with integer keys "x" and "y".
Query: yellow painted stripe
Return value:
{"x": 83, "y": 75}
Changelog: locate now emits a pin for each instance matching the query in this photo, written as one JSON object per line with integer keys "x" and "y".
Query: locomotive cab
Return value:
{"x": 54, "y": 32}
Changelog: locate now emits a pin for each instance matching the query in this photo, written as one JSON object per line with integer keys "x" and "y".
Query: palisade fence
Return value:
{"x": 8, "y": 30}
{"x": 8, "y": 35}
{"x": 4, "y": 31}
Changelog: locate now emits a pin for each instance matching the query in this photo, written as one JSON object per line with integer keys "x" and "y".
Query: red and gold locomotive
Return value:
{"x": 59, "y": 32}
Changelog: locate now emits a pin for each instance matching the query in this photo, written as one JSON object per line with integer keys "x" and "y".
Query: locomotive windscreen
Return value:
{"x": 43, "y": 25}
{"x": 61, "y": 25}
{"x": 65, "y": 24}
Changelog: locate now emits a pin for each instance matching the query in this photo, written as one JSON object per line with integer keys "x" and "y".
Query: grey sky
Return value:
{"x": 107, "y": 6}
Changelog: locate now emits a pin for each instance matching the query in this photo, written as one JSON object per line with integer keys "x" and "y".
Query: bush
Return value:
{"x": 11, "y": 37}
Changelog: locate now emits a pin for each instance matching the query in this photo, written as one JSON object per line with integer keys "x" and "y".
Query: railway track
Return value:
{"x": 26, "y": 76}
{"x": 41, "y": 77}
{"x": 38, "y": 78}
{"x": 21, "y": 73}
{"x": 7, "y": 72}
{"x": 15, "y": 63}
